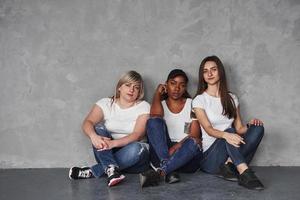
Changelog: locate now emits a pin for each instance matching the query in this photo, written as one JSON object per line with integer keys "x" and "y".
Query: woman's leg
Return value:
{"x": 252, "y": 137}
{"x": 243, "y": 155}
{"x": 133, "y": 158}
{"x": 105, "y": 157}
{"x": 214, "y": 156}
{"x": 189, "y": 149}
{"x": 193, "y": 165}
{"x": 159, "y": 140}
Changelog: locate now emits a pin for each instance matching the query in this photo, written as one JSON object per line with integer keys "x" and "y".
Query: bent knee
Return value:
{"x": 258, "y": 131}
{"x": 154, "y": 122}
{"x": 101, "y": 130}
{"x": 137, "y": 149}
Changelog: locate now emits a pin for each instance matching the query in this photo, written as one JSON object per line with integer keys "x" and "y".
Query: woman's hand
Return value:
{"x": 161, "y": 89}
{"x": 256, "y": 122}
{"x": 100, "y": 142}
{"x": 233, "y": 139}
{"x": 110, "y": 144}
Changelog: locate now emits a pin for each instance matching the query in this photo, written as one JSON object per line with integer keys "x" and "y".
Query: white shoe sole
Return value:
{"x": 115, "y": 181}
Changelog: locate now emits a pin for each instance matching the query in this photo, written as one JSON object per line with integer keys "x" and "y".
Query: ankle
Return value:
{"x": 241, "y": 168}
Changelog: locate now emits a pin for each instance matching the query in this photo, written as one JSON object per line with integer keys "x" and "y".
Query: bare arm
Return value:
{"x": 240, "y": 128}
{"x": 95, "y": 116}
{"x": 156, "y": 106}
{"x": 233, "y": 139}
{"x": 238, "y": 125}
{"x": 137, "y": 134}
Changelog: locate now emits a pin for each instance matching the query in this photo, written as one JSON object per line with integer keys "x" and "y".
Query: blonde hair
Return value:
{"x": 130, "y": 77}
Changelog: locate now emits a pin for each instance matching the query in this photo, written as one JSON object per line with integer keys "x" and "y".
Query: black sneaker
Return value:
{"x": 173, "y": 177}
{"x": 228, "y": 172}
{"x": 250, "y": 181}
{"x": 150, "y": 178}
{"x": 80, "y": 173}
{"x": 113, "y": 175}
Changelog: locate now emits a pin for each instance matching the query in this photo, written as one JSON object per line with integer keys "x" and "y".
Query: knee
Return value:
{"x": 101, "y": 130}
{"x": 153, "y": 122}
{"x": 137, "y": 150}
{"x": 257, "y": 131}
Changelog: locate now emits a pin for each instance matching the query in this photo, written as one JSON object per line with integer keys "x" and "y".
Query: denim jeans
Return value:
{"x": 185, "y": 159}
{"x": 132, "y": 158}
{"x": 220, "y": 150}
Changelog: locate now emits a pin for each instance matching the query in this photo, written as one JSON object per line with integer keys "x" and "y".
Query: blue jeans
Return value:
{"x": 220, "y": 150}
{"x": 185, "y": 159}
{"x": 132, "y": 158}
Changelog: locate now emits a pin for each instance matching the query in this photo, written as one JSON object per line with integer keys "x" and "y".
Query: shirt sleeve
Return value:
{"x": 104, "y": 104}
{"x": 198, "y": 102}
{"x": 144, "y": 108}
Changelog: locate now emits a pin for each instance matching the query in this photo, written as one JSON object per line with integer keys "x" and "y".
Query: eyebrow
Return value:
{"x": 210, "y": 68}
{"x": 178, "y": 81}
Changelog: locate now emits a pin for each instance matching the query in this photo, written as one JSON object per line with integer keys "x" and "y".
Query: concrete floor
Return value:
{"x": 280, "y": 182}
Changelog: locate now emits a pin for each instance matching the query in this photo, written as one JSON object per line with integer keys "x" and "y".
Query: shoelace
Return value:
{"x": 84, "y": 173}
{"x": 110, "y": 170}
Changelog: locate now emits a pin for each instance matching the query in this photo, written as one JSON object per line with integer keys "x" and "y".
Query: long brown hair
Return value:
{"x": 229, "y": 107}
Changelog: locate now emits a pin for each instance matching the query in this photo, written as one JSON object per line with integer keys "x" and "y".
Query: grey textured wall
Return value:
{"x": 57, "y": 58}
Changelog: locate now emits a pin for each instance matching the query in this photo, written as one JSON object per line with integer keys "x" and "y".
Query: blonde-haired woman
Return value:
{"x": 115, "y": 127}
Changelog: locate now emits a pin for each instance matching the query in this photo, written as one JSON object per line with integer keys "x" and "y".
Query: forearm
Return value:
{"x": 156, "y": 106}
{"x": 242, "y": 130}
{"x": 126, "y": 140}
{"x": 214, "y": 132}
{"x": 88, "y": 128}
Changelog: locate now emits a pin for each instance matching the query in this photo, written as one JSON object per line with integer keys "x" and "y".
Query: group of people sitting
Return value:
{"x": 177, "y": 133}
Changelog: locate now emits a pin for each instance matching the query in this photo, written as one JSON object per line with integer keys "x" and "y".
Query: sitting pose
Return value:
{"x": 227, "y": 149}
{"x": 115, "y": 126}
{"x": 173, "y": 135}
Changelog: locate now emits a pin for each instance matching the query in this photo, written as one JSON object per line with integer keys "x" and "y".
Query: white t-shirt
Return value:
{"x": 120, "y": 122}
{"x": 213, "y": 109}
{"x": 178, "y": 123}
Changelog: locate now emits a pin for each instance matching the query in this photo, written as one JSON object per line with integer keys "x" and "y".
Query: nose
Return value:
{"x": 209, "y": 73}
{"x": 131, "y": 89}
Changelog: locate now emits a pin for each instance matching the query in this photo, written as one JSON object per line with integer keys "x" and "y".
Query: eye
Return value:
{"x": 137, "y": 87}
{"x": 127, "y": 84}
{"x": 173, "y": 83}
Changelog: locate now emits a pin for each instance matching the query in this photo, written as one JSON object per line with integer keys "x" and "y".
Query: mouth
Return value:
{"x": 175, "y": 94}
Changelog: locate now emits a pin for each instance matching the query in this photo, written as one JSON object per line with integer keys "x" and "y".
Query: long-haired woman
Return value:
{"x": 228, "y": 145}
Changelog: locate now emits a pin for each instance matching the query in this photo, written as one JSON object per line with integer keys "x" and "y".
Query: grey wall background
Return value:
{"x": 57, "y": 58}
